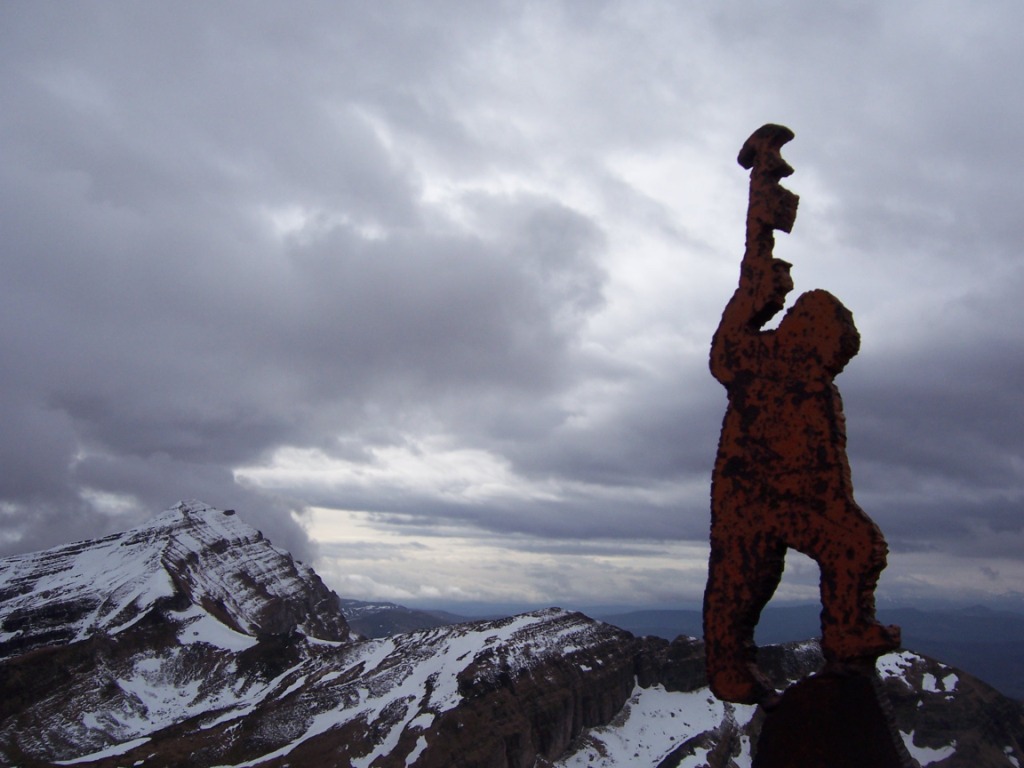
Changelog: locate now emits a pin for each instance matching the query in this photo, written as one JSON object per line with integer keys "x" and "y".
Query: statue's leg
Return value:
{"x": 743, "y": 572}
{"x": 851, "y": 552}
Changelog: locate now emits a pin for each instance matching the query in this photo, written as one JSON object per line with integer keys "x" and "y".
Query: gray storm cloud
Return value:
{"x": 362, "y": 232}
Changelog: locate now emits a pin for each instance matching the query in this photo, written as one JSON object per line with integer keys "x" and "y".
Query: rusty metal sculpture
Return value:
{"x": 781, "y": 478}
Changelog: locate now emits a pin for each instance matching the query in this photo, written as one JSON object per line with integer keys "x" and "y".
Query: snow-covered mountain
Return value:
{"x": 192, "y": 641}
{"x": 192, "y": 557}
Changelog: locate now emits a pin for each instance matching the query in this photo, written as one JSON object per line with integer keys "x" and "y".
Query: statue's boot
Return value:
{"x": 868, "y": 641}
{"x": 740, "y": 683}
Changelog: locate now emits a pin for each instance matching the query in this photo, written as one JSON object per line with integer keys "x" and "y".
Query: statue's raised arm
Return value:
{"x": 764, "y": 280}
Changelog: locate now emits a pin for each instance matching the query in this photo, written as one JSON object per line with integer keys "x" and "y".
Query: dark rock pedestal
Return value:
{"x": 832, "y": 720}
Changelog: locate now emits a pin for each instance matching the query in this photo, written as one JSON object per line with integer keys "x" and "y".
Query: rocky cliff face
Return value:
{"x": 194, "y": 642}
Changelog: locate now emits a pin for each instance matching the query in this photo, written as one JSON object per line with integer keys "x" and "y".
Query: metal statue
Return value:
{"x": 781, "y": 478}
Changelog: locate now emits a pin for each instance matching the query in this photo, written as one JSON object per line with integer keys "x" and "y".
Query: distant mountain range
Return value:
{"x": 193, "y": 641}
{"x": 375, "y": 619}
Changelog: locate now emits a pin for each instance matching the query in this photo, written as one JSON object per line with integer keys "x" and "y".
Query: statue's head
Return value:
{"x": 820, "y": 326}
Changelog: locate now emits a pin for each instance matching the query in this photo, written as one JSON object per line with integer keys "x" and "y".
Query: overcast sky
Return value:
{"x": 425, "y": 290}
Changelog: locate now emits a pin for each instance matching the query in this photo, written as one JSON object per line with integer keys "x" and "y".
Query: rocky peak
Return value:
{"x": 190, "y": 555}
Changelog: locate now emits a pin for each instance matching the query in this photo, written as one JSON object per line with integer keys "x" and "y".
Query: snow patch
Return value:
{"x": 897, "y": 664}
{"x": 114, "y": 751}
{"x": 421, "y": 744}
{"x": 932, "y": 684}
{"x": 926, "y": 755}
{"x": 200, "y": 627}
{"x": 654, "y": 723}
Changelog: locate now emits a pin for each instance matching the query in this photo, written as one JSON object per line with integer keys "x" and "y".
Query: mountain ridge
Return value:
{"x": 166, "y": 668}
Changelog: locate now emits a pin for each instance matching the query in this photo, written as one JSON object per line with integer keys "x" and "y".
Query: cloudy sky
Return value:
{"x": 425, "y": 289}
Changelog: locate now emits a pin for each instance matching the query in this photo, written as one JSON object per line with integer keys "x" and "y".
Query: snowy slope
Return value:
{"x": 406, "y": 685}
{"x": 656, "y": 724}
{"x": 399, "y": 697}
